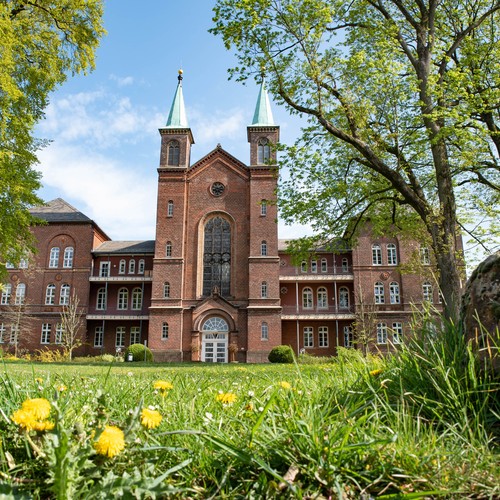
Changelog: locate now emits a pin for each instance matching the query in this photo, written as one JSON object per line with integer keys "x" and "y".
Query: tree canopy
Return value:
{"x": 42, "y": 42}
{"x": 402, "y": 102}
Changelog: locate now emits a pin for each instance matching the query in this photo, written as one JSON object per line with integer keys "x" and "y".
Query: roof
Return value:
{"x": 59, "y": 210}
{"x": 263, "y": 115}
{"x": 177, "y": 117}
{"x": 126, "y": 247}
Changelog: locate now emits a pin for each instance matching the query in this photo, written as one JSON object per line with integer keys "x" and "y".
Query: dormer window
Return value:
{"x": 263, "y": 151}
{"x": 173, "y": 153}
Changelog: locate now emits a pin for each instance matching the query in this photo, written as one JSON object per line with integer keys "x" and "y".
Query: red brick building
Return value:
{"x": 216, "y": 284}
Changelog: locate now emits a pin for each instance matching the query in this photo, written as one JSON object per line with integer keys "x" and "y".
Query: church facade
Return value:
{"x": 216, "y": 284}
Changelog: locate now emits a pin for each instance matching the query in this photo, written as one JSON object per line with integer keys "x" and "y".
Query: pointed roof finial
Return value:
{"x": 177, "y": 117}
{"x": 263, "y": 115}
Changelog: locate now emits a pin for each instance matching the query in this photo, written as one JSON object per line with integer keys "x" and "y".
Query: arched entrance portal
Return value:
{"x": 214, "y": 340}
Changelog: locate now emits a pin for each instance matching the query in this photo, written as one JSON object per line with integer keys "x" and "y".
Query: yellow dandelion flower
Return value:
{"x": 249, "y": 407}
{"x": 46, "y": 425}
{"x": 162, "y": 385}
{"x": 24, "y": 419}
{"x": 150, "y": 418}
{"x": 226, "y": 398}
{"x": 61, "y": 388}
{"x": 374, "y": 373}
{"x": 39, "y": 380}
{"x": 110, "y": 442}
{"x": 285, "y": 385}
{"x": 39, "y": 407}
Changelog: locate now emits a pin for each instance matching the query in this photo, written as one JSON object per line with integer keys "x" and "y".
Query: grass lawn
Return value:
{"x": 413, "y": 426}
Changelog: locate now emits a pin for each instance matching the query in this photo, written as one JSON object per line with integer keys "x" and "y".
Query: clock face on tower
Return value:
{"x": 217, "y": 188}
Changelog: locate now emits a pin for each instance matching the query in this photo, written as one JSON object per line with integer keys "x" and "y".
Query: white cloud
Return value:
{"x": 217, "y": 126}
{"x": 122, "y": 81}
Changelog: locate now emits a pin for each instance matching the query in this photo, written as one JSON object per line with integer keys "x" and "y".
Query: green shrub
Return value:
{"x": 137, "y": 351}
{"x": 281, "y": 354}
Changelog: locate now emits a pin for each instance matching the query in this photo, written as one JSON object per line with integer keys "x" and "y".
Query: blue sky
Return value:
{"x": 104, "y": 127}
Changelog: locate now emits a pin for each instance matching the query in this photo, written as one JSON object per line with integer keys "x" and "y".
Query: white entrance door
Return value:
{"x": 214, "y": 347}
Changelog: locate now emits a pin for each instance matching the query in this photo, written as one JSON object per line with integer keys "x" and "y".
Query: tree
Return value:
{"x": 72, "y": 331}
{"x": 365, "y": 323}
{"x": 41, "y": 43}
{"x": 402, "y": 101}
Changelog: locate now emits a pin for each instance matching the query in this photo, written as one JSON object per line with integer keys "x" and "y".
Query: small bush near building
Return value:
{"x": 281, "y": 354}
{"x": 137, "y": 351}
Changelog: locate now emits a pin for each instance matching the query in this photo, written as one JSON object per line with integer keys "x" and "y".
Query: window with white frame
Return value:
{"x": 381, "y": 333}
{"x": 64, "y": 295}
{"x": 23, "y": 264}
{"x": 20, "y": 294}
{"x": 68, "y": 257}
{"x": 164, "y": 331}
{"x": 131, "y": 266}
{"x": 98, "y": 336}
{"x": 308, "y": 336}
{"x": 170, "y": 208}
{"x": 54, "y": 257}
{"x": 397, "y": 333}
{"x": 392, "y": 256}
{"x": 263, "y": 208}
{"x": 263, "y": 290}
{"x": 9, "y": 265}
{"x": 173, "y": 153}
{"x": 376, "y": 255}
{"x": 59, "y": 334}
{"x": 263, "y": 248}
{"x": 264, "y": 331}
{"x": 303, "y": 266}
{"x": 425, "y": 256}
{"x": 122, "y": 266}
{"x": 379, "y": 293}
{"x": 307, "y": 298}
{"x": 136, "y": 299}
{"x": 427, "y": 293}
{"x": 120, "y": 336}
{"x": 6, "y": 293}
{"x": 344, "y": 297}
{"x": 2, "y": 333}
{"x": 314, "y": 266}
{"x": 348, "y": 337}
{"x": 45, "y": 338}
{"x": 168, "y": 249}
{"x": 166, "y": 290}
{"x": 263, "y": 151}
{"x": 322, "y": 295}
{"x": 122, "y": 299}
{"x": 345, "y": 265}
{"x": 101, "y": 299}
{"x": 104, "y": 269}
{"x": 50, "y": 295}
{"x": 135, "y": 335}
{"x": 323, "y": 336}
{"x": 141, "y": 266}
{"x": 394, "y": 295}
{"x": 324, "y": 266}
{"x": 14, "y": 334}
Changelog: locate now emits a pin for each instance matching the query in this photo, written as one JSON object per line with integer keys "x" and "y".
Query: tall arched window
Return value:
{"x": 217, "y": 256}
{"x": 322, "y": 298}
{"x": 173, "y": 153}
{"x": 54, "y": 257}
{"x": 131, "y": 266}
{"x": 427, "y": 292}
{"x": 68, "y": 257}
{"x": 122, "y": 298}
{"x": 379, "y": 293}
{"x": 263, "y": 248}
{"x": 376, "y": 255}
{"x": 20, "y": 294}
{"x": 263, "y": 151}
{"x": 141, "y": 266}
{"x": 392, "y": 256}
{"x": 381, "y": 333}
{"x": 50, "y": 295}
{"x": 64, "y": 295}
{"x": 166, "y": 290}
{"x": 394, "y": 292}
{"x": 122, "y": 267}
{"x": 344, "y": 297}
{"x": 263, "y": 290}
{"x": 136, "y": 299}
{"x": 101, "y": 299}
{"x": 170, "y": 208}
{"x": 6, "y": 293}
{"x": 307, "y": 298}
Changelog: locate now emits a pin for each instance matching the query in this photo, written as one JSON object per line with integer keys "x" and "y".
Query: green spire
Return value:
{"x": 177, "y": 116}
{"x": 263, "y": 115}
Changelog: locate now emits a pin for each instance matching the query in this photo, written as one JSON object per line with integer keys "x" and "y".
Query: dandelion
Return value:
{"x": 251, "y": 394}
{"x": 163, "y": 386}
{"x": 33, "y": 415}
{"x": 249, "y": 407}
{"x": 374, "y": 373}
{"x": 61, "y": 388}
{"x": 150, "y": 418}
{"x": 226, "y": 398}
{"x": 110, "y": 442}
{"x": 39, "y": 380}
{"x": 39, "y": 407}
{"x": 285, "y": 385}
